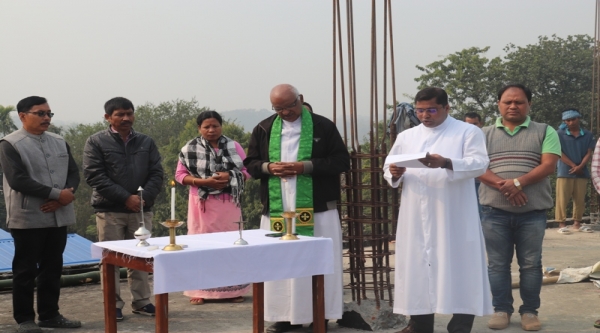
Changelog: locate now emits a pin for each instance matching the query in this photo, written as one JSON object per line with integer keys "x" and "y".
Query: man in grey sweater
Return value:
{"x": 514, "y": 194}
{"x": 40, "y": 178}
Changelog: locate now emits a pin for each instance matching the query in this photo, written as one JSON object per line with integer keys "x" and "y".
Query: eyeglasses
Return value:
{"x": 430, "y": 110}
{"x": 287, "y": 107}
{"x": 42, "y": 114}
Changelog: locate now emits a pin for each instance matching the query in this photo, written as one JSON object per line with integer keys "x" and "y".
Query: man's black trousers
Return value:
{"x": 38, "y": 254}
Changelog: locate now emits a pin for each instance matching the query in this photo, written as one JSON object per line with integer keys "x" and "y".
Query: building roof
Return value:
{"x": 77, "y": 252}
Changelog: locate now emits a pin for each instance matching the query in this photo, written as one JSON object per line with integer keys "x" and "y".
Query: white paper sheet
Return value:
{"x": 407, "y": 160}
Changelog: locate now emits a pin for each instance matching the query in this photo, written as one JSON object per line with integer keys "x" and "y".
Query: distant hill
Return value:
{"x": 248, "y": 118}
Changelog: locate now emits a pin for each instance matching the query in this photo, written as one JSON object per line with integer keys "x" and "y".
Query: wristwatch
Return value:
{"x": 518, "y": 184}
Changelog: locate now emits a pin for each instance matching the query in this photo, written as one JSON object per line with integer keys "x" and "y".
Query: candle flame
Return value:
{"x": 172, "y": 183}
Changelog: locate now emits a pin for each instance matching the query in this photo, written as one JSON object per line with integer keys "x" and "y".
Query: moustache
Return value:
{"x": 46, "y": 123}
{"x": 126, "y": 123}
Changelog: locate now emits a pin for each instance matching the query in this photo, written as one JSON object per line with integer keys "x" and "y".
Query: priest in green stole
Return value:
{"x": 298, "y": 157}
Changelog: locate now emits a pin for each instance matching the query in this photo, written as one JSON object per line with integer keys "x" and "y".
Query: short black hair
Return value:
{"x": 440, "y": 95}
{"x": 515, "y": 85}
{"x": 473, "y": 115}
{"x": 209, "y": 114}
{"x": 27, "y": 103}
{"x": 117, "y": 103}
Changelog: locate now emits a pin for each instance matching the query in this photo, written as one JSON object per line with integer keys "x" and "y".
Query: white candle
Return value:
{"x": 173, "y": 203}
{"x": 290, "y": 199}
{"x": 286, "y": 196}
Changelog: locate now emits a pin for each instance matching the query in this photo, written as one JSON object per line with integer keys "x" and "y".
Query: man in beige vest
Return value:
{"x": 514, "y": 194}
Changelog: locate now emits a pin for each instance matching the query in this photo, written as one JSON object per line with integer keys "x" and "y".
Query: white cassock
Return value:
{"x": 291, "y": 299}
{"x": 440, "y": 250}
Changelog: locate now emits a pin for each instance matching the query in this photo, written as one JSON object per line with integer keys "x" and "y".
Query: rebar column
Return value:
{"x": 369, "y": 206}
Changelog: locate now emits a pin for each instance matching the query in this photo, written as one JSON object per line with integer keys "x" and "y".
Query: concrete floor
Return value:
{"x": 565, "y": 308}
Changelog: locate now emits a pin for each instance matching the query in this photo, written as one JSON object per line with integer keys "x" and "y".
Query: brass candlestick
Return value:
{"x": 288, "y": 216}
{"x": 172, "y": 224}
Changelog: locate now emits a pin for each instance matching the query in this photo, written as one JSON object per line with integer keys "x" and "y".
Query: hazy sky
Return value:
{"x": 228, "y": 54}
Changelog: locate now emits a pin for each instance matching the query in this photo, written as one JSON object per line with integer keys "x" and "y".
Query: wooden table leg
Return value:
{"x": 110, "y": 312}
{"x": 318, "y": 287}
{"x": 162, "y": 313}
{"x": 258, "y": 307}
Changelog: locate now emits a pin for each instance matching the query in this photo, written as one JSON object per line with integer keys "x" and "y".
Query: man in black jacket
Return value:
{"x": 116, "y": 162}
{"x": 298, "y": 157}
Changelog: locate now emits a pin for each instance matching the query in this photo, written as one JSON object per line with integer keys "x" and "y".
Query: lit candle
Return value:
{"x": 172, "y": 200}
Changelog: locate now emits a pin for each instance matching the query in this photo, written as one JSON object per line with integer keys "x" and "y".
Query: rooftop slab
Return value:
{"x": 565, "y": 307}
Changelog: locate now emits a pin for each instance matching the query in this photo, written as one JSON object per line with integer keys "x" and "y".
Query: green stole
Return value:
{"x": 304, "y": 187}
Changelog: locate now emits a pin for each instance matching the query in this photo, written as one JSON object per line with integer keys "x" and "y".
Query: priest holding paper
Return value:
{"x": 440, "y": 249}
{"x": 298, "y": 157}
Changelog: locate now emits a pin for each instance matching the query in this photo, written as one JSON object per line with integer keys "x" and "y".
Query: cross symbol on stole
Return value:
{"x": 304, "y": 217}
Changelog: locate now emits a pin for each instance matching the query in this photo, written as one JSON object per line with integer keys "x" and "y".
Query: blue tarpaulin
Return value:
{"x": 77, "y": 252}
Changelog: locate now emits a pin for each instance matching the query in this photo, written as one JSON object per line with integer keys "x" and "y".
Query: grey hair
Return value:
{"x": 287, "y": 86}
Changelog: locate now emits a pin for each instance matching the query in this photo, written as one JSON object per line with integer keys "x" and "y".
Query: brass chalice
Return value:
{"x": 288, "y": 216}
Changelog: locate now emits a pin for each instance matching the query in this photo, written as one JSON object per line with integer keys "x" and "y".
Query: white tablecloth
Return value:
{"x": 211, "y": 260}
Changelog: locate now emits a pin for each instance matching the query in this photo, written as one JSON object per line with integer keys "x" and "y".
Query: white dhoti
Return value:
{"x": 291, "y": 299}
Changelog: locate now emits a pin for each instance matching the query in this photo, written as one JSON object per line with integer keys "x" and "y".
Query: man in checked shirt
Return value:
{"x": 596, "y": 181}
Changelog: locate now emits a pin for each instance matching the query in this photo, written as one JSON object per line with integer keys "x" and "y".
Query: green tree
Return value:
{"x": 165, "y": 121}
{"x": 55, "y": 129}
{"x": 251, "y": 205}
{"x": 6, "y": 123}
{"x": 86, "y": 221}
{"x": 469, "y": 78}
{"x": 557, "y": 70}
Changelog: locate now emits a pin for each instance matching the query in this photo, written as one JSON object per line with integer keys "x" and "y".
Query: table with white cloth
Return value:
{"x": 211, "y": 261}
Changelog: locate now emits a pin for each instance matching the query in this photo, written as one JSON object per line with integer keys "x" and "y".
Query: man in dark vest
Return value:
{"x": 40, "y": 178}
{"x": 515, "y": 194}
